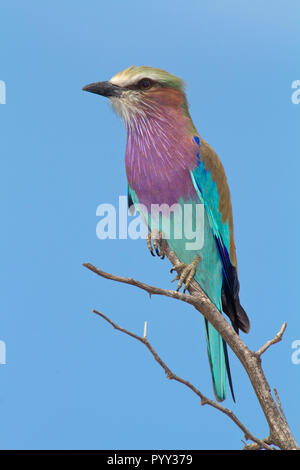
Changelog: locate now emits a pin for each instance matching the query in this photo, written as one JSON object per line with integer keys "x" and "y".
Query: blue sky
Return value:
{"x": 70, "y": 380}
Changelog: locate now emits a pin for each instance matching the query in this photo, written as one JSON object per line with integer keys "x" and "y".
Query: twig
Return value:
{"x": 279, "y": 403}
{"x": 257, "y": 446}
{"x": 275, "y": 340}
{"x": 170, "y": 375}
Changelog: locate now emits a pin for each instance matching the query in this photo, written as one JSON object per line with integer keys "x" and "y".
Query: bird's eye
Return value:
{"x": 145, "y": 84}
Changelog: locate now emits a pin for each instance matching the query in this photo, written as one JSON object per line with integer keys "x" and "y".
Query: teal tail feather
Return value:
{"x": 218, "y": 361}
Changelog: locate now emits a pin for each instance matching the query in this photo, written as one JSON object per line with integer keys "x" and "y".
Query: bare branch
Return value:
{"x": 275, "y": 340}
{"x": 141, "y": 285}
{"x": 261, "y": 444}
{"x": 280, "y": 433}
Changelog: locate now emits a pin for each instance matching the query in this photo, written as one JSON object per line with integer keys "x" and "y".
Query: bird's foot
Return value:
{"x": 155, "y": 237}
{"x": 185, "y": 273}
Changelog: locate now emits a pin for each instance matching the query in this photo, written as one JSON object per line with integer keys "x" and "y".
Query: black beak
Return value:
{"x": 104, "y": 88}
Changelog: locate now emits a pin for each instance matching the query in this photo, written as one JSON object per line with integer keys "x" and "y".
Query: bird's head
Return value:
{"x": 142, "y": 92}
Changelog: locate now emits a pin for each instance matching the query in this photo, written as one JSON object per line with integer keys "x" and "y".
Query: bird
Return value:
{"x": 168, "y": 164}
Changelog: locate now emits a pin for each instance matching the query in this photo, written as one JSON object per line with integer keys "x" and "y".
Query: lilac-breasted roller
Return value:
{"x": 169, "y": 165}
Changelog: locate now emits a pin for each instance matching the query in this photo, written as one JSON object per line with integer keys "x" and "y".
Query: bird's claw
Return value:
{"x": 185, "y": 273}
{"x": 155, "y": 238}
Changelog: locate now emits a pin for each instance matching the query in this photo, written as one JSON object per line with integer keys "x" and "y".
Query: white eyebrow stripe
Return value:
{"x": 132, "y": 75}
{"x": 123, "y": 81}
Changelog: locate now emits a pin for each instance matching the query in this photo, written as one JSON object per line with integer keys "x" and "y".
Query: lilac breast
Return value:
{"x": 160, "y": 153}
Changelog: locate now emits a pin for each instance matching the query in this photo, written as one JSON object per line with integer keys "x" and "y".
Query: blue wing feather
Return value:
{"x": 208, "y": 192}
